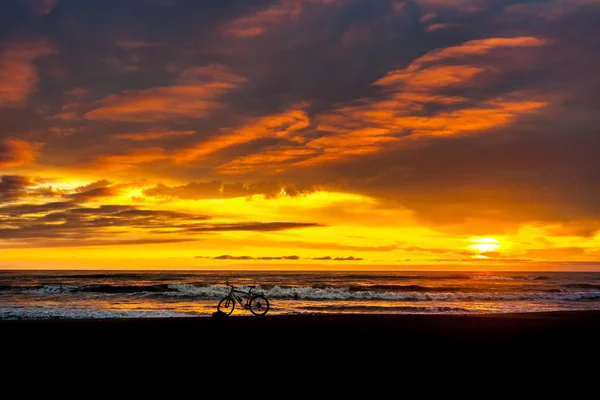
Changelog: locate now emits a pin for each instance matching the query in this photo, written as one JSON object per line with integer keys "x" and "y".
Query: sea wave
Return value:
{"x": 309, "y": 293}
{"x": 374, "y": 292}
{"x": 61, "y": 313}
{"x": 51, "y": 289}
{"x": 509, "y": 278}
{"x": 580, "y": 286}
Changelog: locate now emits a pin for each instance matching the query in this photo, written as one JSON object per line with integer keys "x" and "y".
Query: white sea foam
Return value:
{"x": 197, "y": 291}
{"x": 493, "y": 278}
{"x": 53, "y": 289}
{"x": 308, "y": 293}
{"x": 62, "y": 313}
{"x": 344, "y": 293}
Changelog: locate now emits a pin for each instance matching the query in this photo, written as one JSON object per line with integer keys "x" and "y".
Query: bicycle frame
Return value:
{"x": 235, "y": 293}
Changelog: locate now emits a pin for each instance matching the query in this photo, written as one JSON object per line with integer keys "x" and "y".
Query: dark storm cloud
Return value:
{"x": 94, "y": 193}
{"x": 94, "y": 185}
{"x": 13, "y": 186}
{"x": 19, "y": 209}
{"x": 15, "y": 152}
{"x": 509, "y": 178}
{"x": 64, "y": 222}
{"x": 16, "y": 187}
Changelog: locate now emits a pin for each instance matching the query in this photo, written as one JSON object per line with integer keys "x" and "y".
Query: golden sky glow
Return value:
{"x": 299, "y": 134}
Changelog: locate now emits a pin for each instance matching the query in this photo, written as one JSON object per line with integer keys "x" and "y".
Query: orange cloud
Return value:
{"x": 258, "y": 23}
{"x": 195, "y": 95}
{"x": 271, "y": 161}
{"x": 476, "y": 47}
{"x": 69, "y": 112}
{"x": 15, "y": 152}
{"x": 435, "y": 27}
{"x": 131, "y": 158}
{"x": 419, "y": 75}
{"x": 152, "y": 135}
{"x": 372, "y": 126}
{"x": 221, "y": 190}
{"x": 14, "y": 186}
{"x": 430, "y": 78}
{"x": 286, "y": 125}
{"x": 270, "y": 18}
{"x": 62, "y": 131}
{"x": 18, "y": 73}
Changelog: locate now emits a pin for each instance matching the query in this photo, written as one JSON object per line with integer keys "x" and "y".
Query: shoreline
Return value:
{"x": 511, "y": 329}
{"x": 540, "y": 352}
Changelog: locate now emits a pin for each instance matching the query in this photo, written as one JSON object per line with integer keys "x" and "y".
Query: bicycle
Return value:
{"x": 257, "y": 303}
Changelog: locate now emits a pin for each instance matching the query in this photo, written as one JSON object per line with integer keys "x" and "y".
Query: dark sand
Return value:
{"x": 542, "y": 352}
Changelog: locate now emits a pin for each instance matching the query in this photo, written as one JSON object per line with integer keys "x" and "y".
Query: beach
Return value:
{"x": 524, "y": 345}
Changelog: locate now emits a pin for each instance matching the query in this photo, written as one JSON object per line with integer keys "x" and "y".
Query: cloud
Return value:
{"x": 265, "y": 258}
{"x": 26, "y": 208}
{"x": 473, "y": 48}
{"x": 14, "y": 186}
{"x": 430, "y": 78}
{"x": 93, "y": 194}
{"x": 43, "y": 225}
{"x": 69, "y": 112}
{"x": 15, "y": 152}
{"x": 333, "y": 246}
{"x": 287, "y": 125}
{"x": 434, "y": 96}
{"x": 282, "y": 258}
{"x": 196, "y": 94}
{"x": 221, "y": 190}
{"x": 18, "y": 73}
{"x": 558, "y": 253}
{"x": 254, "y": 226}
{"x": 94, "y": 185}
{"x": 152, "y": 135}
{"x": 373, "y": 125}
{"x": 272, "y": 160}
{"x": 268, "y": 20}
{"x": 62, "y": 131}
{"x": 492, "y": 185}
{"x": 116, "y": 162}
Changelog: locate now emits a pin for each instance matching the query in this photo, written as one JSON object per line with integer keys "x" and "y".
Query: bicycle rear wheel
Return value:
{"x": 259, "y": 305}
{"x": 226, "y": 305}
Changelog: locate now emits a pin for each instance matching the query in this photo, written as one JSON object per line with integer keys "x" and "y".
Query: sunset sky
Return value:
{"x": 306, "y": 134}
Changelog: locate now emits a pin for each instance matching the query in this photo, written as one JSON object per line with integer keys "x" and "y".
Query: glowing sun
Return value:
{"x": 483, "y": 245}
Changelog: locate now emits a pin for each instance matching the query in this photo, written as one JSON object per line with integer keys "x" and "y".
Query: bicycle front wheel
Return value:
{"x": 226, "y": 305}
{"x": 259, "y": 305}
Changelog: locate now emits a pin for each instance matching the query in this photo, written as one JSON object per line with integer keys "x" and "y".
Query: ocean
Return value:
{"x": 134, "y": 294}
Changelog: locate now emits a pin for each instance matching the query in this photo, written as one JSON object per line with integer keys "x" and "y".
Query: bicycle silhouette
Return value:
{"x": 257, "y": 303}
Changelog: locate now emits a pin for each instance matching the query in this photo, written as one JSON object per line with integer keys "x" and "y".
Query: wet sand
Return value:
{"x": 542, "y": 351}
